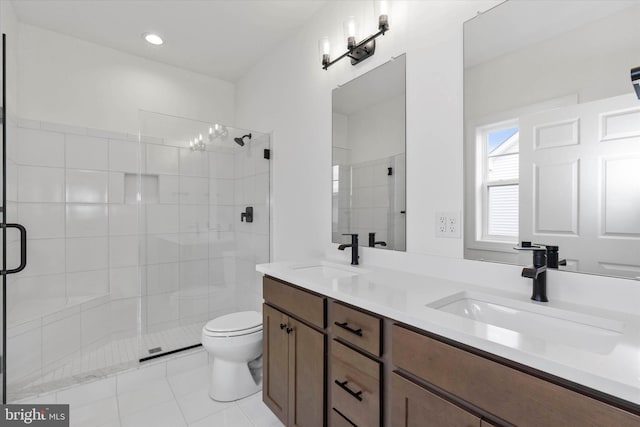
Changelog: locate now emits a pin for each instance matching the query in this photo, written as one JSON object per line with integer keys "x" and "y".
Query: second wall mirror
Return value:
{"x": 368, "y": 158}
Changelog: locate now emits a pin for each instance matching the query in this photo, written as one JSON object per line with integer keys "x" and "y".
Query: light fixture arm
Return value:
{"x": 360, "y": 51}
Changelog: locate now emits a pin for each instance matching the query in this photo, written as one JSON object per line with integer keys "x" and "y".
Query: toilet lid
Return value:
{"x": 242, "y": 321}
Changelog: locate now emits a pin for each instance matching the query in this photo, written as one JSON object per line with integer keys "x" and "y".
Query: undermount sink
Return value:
{"x": 534, "y": 320}
{"x": 327, "y": 271}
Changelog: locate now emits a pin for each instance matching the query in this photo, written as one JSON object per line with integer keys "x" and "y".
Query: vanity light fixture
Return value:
{"x": 152, "y": 38}
{"x": 198, "y": 144}
{"x": 357, "y": 51}
{"x": 217, "y": 131}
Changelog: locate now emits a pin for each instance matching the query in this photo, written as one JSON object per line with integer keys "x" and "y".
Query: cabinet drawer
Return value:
{"x": 302, "y": 304}
{"x": 415, "y": 406}
{"x": 355, "y": 385}
{"x": 338, "y": 420}
{"x": 515, "y": 396}
{"x": 360, "y": 329}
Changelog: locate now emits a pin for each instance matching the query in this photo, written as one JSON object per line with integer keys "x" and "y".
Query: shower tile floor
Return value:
{"x": 112, "y": 357}
{"x": 158, "y": 397}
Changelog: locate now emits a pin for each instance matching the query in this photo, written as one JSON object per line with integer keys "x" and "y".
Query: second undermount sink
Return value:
{"x": 534, "y": 320}
{"x": 327, "y": 270}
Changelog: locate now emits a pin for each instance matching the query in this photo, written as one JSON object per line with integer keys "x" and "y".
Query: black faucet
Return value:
{"x": 353, "y": 246}
{"x": 373, "y": 243}
{"x": 552, "y": 257}
{"x": 538, "y": 272}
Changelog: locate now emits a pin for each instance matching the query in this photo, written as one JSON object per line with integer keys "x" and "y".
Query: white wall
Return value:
{"x": 289, "y": 93}
{"x": 63, "y": 79}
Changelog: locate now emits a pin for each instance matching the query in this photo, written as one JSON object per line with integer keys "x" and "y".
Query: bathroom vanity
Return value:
{"x": 348, "y": 346}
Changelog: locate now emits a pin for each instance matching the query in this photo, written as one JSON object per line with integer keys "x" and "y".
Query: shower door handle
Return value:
{"x": 23, "y": 249}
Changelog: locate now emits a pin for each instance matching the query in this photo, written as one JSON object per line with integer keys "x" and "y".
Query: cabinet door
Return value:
{"x": 414, "y": 406}
{"x": 276, "y": 362}
{"x": 306, "y": 376}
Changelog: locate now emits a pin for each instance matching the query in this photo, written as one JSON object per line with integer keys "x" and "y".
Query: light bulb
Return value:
{"x": 324, "y": 48}
{"x": 381, "y": 8}
{"x": 350, "y": 31}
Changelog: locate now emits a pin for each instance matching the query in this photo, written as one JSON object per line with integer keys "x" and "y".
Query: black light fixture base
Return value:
{"x": 362, "y": 52}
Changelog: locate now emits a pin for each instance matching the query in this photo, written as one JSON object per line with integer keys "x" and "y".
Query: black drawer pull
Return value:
{"x": 345, "y": 325}
{"x": 343, "y": 385}
{"x": 283, "y": 325}
{"x": 289, "y": 330}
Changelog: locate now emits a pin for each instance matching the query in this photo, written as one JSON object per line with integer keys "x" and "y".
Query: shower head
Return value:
{"x": 240, "y": 141}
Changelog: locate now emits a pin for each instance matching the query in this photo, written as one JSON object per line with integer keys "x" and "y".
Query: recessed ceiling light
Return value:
{"x": 153, "y": 38}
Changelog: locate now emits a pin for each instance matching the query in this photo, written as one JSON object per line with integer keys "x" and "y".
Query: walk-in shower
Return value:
{"x": 134, "y": 243}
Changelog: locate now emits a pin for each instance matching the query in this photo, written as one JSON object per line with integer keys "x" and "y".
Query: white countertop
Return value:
{"x": 404, "y": 297}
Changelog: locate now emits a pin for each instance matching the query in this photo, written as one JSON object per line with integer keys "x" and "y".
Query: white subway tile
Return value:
{"x": 194, "y": 191}
{"x": 162, "y": 219}
{"x": 162, "y": 307}
{"x": 123, "y": 219}
{"x": 194, "y": 246}
{"x": 116, "y": 187}
{"x": 194, "y": 218}
{"x": 86, "y": 186}
{"x": 86, "y": 152}
{"x": 194, "y": 163}
{"x": 221, "y": 165}
{"x": 162, "y": 248}
{"x": 162, "y": 160}
{"x": 87, "y": 220}
{"x": 124, "y": 156}
{"x": 87, "y": 253}
{"x": 168, "y": 189}
{"x": 123, "y": 251}
{"x": 86, "y": 283}
{"x": 46, "y": 256}
{"x": 123, "y": 282}
{"x": 124, "y": 315}
{"x": 40, "y": 148}
{"x": 162, "y": 278}
{"x": 42, "y": 220}
{"x": 39, "y": 184}
{"x": 222, "y": 192}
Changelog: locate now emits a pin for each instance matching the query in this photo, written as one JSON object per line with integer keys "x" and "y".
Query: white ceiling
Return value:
{"x": 220, "y": 38}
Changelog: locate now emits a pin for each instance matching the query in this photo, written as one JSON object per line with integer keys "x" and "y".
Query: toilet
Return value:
{"x": 234, "y": 340}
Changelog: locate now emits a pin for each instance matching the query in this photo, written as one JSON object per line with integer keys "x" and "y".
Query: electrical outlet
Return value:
{"x": 441, "y": 224}
{"x": 448, "y": 224}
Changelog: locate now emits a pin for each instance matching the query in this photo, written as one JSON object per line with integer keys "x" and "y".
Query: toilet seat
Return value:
{"x": 234, "y": 324}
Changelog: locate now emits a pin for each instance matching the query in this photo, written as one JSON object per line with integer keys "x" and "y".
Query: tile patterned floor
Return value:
{"x": 147, "y": 397}
{"x": 109, "y": 358}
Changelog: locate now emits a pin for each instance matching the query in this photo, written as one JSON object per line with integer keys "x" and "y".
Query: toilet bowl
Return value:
{"x": 233, "y": 340}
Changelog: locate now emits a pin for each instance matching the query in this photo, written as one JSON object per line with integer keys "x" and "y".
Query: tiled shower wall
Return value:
{"x": 75, "y": 189}
{"x": 371, "y": 200}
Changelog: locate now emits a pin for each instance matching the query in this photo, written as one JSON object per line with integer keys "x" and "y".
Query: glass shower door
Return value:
{"x": 198, "y": 251}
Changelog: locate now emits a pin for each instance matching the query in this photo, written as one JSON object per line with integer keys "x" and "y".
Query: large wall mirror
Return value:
{"x": 368, "y": 158}
{"x": 552, "y": 133}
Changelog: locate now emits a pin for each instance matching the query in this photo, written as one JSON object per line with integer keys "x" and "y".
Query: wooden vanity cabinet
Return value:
{"x": 517, "y": 397}
{"x": 415, "y": 406}
{"x": 294, "y": 355}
